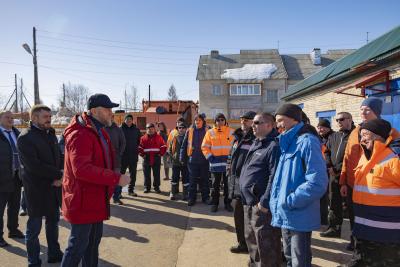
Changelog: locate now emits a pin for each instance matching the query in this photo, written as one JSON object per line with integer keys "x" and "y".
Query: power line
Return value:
{"x": 129, "y": 61}
{"x": 175, "y": 46}
{"x": 126, "y": 55}
{"x": 126, "y": 68}
{"x": 120, "y": 47}
{"x": 112, "y": 73}
{"x": 128, "y": 42}
{"x": 108, "y": 66}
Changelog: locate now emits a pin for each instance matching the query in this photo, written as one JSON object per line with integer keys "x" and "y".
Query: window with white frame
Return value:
{"x": 245, "y": 89}
{"x": 216, "y": 89}
{"x": 272, "y": 96}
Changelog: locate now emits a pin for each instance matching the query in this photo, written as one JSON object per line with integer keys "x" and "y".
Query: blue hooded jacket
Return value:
{"x": 300, "y": 181}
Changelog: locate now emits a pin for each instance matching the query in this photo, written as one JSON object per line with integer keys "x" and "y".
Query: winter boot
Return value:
{"x": 333, "y": 231}
{"x": 185, "y": 193}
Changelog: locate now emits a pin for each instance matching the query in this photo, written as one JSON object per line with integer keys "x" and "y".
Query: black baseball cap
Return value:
{"x": 248, "y": 115}
{"x": 100, "y": 100}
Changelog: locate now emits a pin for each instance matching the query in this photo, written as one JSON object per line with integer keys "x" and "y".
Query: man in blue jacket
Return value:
{"x": 263, "y": 240}
{"x": 299, "y": 183}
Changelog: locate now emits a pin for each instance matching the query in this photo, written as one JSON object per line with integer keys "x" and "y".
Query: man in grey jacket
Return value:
{"x": 118, "y": 142}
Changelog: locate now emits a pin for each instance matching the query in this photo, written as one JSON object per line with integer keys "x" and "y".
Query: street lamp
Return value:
{"x": 35, "y": 69}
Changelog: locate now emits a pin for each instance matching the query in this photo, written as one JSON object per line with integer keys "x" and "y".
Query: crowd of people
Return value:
{"x": 283, "y": 176}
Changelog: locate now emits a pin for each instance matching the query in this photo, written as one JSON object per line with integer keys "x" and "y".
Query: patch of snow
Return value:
{"x": 250, "y": 72}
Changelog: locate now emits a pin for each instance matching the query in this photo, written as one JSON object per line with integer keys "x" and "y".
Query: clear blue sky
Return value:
{"x": 159, "y": 42}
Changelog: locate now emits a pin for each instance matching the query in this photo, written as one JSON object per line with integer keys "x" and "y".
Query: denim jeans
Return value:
{"x": 33, "y": 227}
{"x": 83, "y": 244}
{"x": 297, "y": 248}
{"x": 117, "y": 192}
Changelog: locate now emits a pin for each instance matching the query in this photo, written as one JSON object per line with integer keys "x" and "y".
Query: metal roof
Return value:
{"x": 300, "y": 66}
{"x": 376, "y": 48}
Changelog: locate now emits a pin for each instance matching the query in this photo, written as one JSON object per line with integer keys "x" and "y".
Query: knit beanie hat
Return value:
{"x": 375, "y": 104}
{"x": 290, "y": 110}
{"x": 324, "y": 123}
{"x": 218, "y": 116}
{"x": 378, "y": 126}
{"x": 128, "y": 116}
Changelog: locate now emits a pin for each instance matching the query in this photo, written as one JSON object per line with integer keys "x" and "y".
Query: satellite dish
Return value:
{"x": 161, "y": 110}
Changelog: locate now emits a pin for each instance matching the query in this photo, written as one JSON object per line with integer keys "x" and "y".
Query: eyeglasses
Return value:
{"x": 258, "y": 122}
{"x": 341, "y": 119}
{"x": 181, "y": 128}
{"x": 221, "y": 119}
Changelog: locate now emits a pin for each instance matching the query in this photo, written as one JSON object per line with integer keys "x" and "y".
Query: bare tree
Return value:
{"x": 76, "y": 96}
{"x": 172, "y": 96}
{"x": 132, "y": 98}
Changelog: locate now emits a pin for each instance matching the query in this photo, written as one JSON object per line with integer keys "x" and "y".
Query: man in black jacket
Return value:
{"x": 334, "y": 153}
{"x": 243, "y": 140}
{"x": 41, "y": 176}
{"x": 263, "y": 240}
{"x": 324, "y": 131}
{"x": 10, "y": 184}
{"x": 118, "y": 141}
{"x": 131, "y": 153}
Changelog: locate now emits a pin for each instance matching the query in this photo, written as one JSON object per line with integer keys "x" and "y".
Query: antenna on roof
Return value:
{"x": 367, "y": 37}
{"x": 278, "y": 45}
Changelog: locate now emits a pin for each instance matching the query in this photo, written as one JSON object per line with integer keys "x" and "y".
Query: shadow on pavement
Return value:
{"x": 339, "y": 255}
{"x": 144, "y": 215}
{"x": 115, "y": 232}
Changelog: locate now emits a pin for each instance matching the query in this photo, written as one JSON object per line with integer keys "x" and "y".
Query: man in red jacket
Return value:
{"x": 89, "y": 180}
{"x": 152, "y": 147}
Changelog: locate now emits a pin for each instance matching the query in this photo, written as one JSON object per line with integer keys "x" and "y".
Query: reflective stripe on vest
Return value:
{"x": 217, "y": 164}
{"x": 377, "y": 191}
{"x": 151, "y": 150}
{"x": 377, "y": 224}
{"x": 389, "y": 157}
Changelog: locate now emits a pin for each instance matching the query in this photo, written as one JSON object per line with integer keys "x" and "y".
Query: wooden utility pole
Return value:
{"x": 149, "y": 97}
{"x": 35, "y": 70}
{"x": 16, "y": 94}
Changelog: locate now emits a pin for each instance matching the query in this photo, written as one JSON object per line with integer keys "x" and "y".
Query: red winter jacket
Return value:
{"x": 88, "y": 182}
{"x": 151, "y": 146}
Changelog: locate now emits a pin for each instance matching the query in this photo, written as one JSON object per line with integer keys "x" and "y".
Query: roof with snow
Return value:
{"x": 211, "y": 67}
{"x": 293, "y": 66}
{"x": 250, "y": 72}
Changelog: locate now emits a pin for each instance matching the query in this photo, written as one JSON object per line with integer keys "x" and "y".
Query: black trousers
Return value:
{"x": 238, "y": 216}
{"x": 335, "y": 216}
{"x": 132, "y": 165}
{"x": 12, "y": 200}
{"x": 147, "y": 176}
{"x": 263, "y": 240}
{"x": 216, "y": 184}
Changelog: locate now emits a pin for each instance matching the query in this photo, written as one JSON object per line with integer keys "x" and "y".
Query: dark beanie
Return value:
{"x": 129, "y": 116}
{"x": 290, "y": 110}
{"x": 374, "y": 103}
{"x": 219, "y": 115}
{"x": 378, "y": 126}
{"x": 324, "y": 123}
